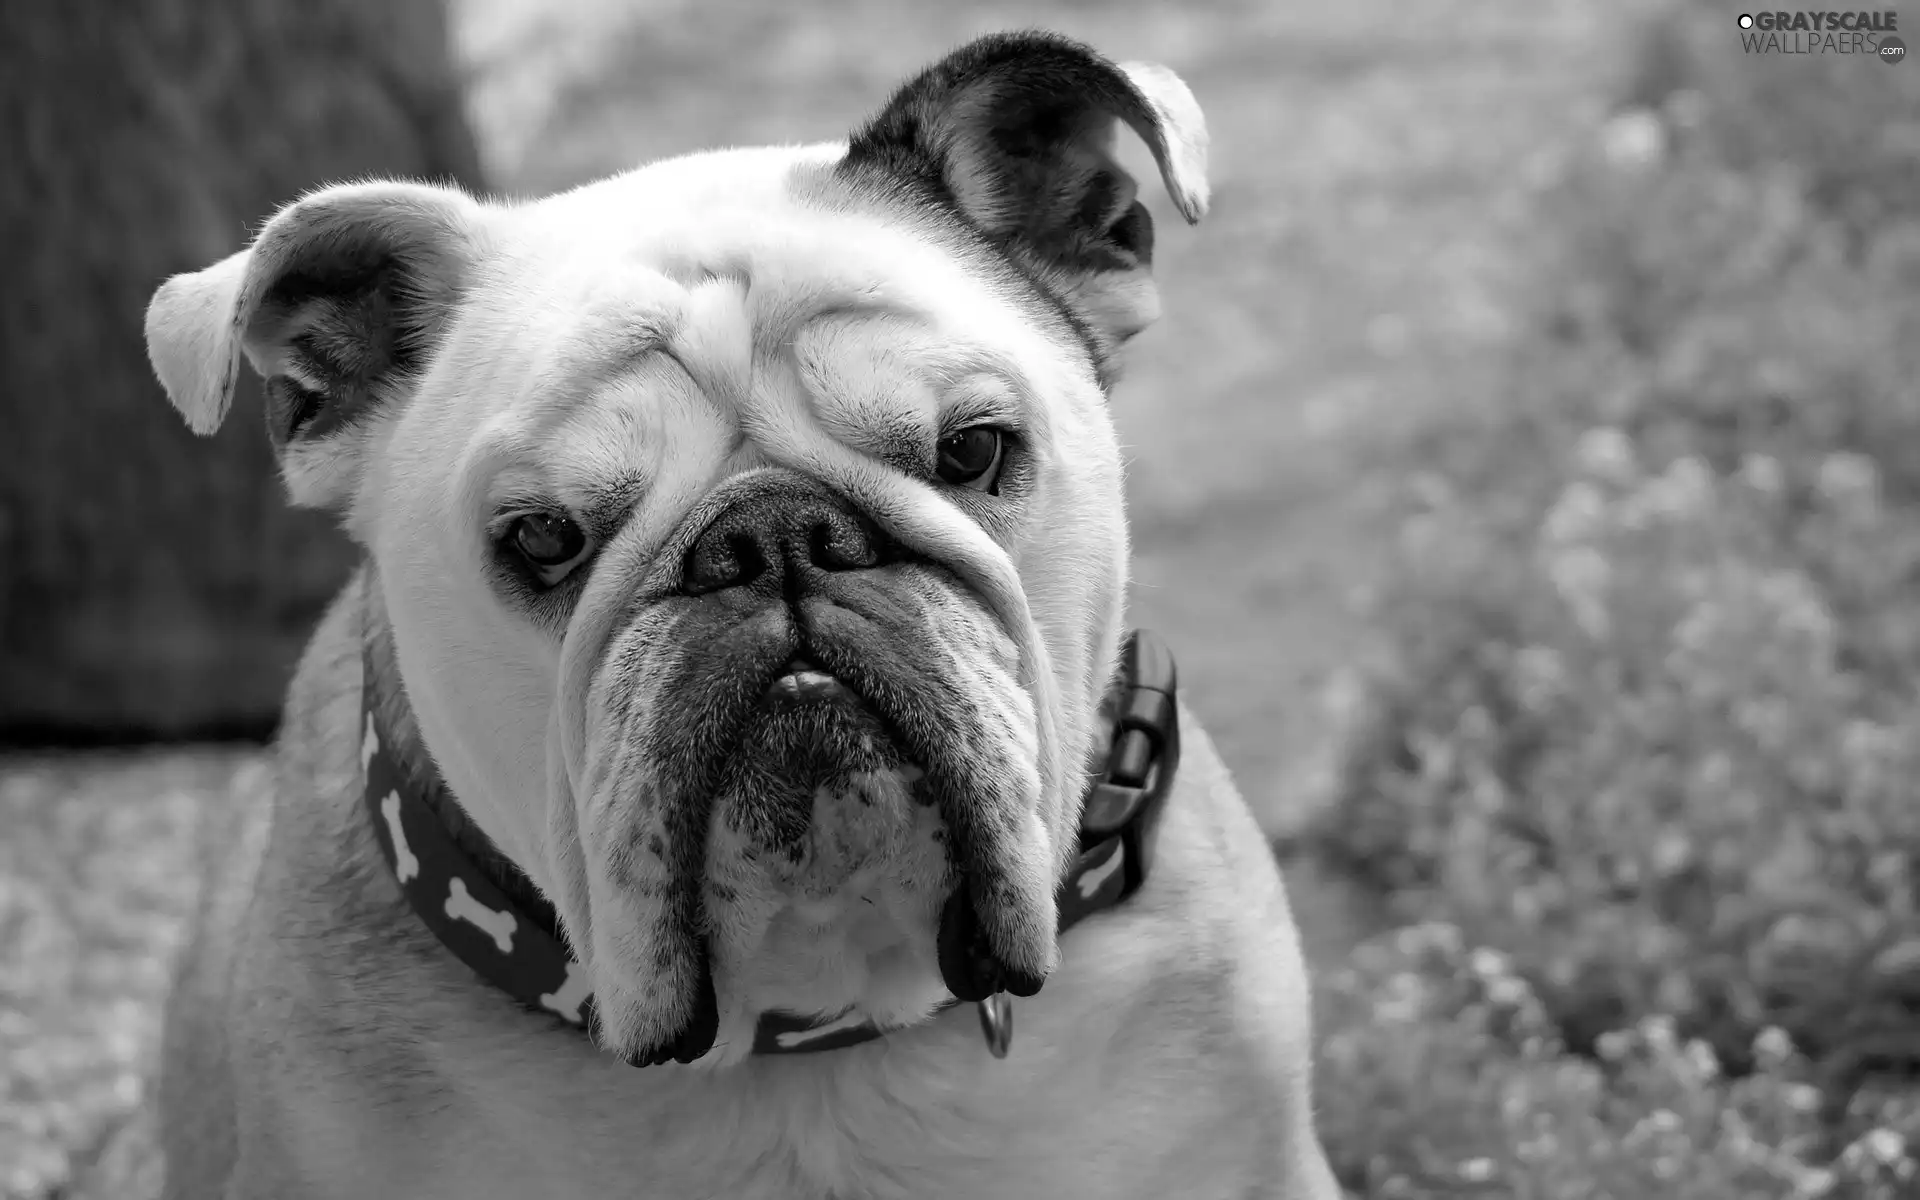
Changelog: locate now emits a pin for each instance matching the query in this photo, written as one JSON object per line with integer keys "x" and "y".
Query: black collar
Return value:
{"x": 493, "y": 919}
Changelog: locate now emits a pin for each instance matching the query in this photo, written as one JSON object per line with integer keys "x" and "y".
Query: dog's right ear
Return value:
{"x": 339, "y": 303}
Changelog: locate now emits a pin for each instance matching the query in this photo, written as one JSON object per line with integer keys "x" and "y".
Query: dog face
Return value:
{"x": 749, "y": 525}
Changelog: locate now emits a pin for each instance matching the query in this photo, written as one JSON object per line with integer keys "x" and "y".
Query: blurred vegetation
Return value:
{"x": 1443, "y": 1074}
{"x": 1650, "y": 729}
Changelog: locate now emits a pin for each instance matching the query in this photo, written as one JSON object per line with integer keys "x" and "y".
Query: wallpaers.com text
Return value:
{"x": 1817, "y": 32}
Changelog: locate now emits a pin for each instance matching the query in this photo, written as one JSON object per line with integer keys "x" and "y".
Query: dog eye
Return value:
{"x": 548, "y": 542}
{"x": 970, "y": 457}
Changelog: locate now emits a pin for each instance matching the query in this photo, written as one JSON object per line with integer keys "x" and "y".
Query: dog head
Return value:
{"x": 749, "y": 525}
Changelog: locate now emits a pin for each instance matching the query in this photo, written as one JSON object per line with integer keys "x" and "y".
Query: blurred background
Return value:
{"x": 1526, "y": 472}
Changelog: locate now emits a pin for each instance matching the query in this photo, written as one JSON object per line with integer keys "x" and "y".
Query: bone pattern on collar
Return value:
{"x": 493, "y": 919}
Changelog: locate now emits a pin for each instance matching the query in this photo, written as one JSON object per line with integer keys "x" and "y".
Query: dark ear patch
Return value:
{"x": 1133, "y": 233}
{"x": 1014, "y": 134}
{"x": 348, "y": 342}
{"x": 353, "y": 313}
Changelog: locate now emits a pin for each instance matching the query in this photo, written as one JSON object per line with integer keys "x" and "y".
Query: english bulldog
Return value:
{"x": 729, "y": 774}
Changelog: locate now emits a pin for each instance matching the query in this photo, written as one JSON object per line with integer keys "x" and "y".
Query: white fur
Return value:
{"x": 663, "y": 333}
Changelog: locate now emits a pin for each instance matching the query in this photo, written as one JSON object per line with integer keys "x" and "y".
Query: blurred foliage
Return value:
{"x": 1443, "y": 1076}
{"x": 1652, "y": 721}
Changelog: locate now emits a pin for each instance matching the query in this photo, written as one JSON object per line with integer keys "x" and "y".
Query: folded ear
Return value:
{"x": 338, "y": 304}
{"x": 1015, "y": 132}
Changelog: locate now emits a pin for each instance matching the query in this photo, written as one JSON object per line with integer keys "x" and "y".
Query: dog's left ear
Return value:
{"x": 1016, "y": 133}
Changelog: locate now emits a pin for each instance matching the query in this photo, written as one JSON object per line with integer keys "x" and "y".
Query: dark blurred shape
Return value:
{"x": 157, "y": 585}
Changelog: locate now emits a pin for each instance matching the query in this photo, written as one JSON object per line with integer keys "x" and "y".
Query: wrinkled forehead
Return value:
{"x": 633, "y": 260}
{"x": 718, "y": 288}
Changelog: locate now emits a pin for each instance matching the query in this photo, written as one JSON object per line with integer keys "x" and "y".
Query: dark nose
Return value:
{"x": 778, "y": 534}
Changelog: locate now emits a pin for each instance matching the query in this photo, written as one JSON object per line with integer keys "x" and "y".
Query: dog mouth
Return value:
{"x": 803, "y": 681}
{"x": 816, "y": 722}
{"x": 817, "y": 758}
{"x": 813, "y": 782}
{"x": 841, "y": 684}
